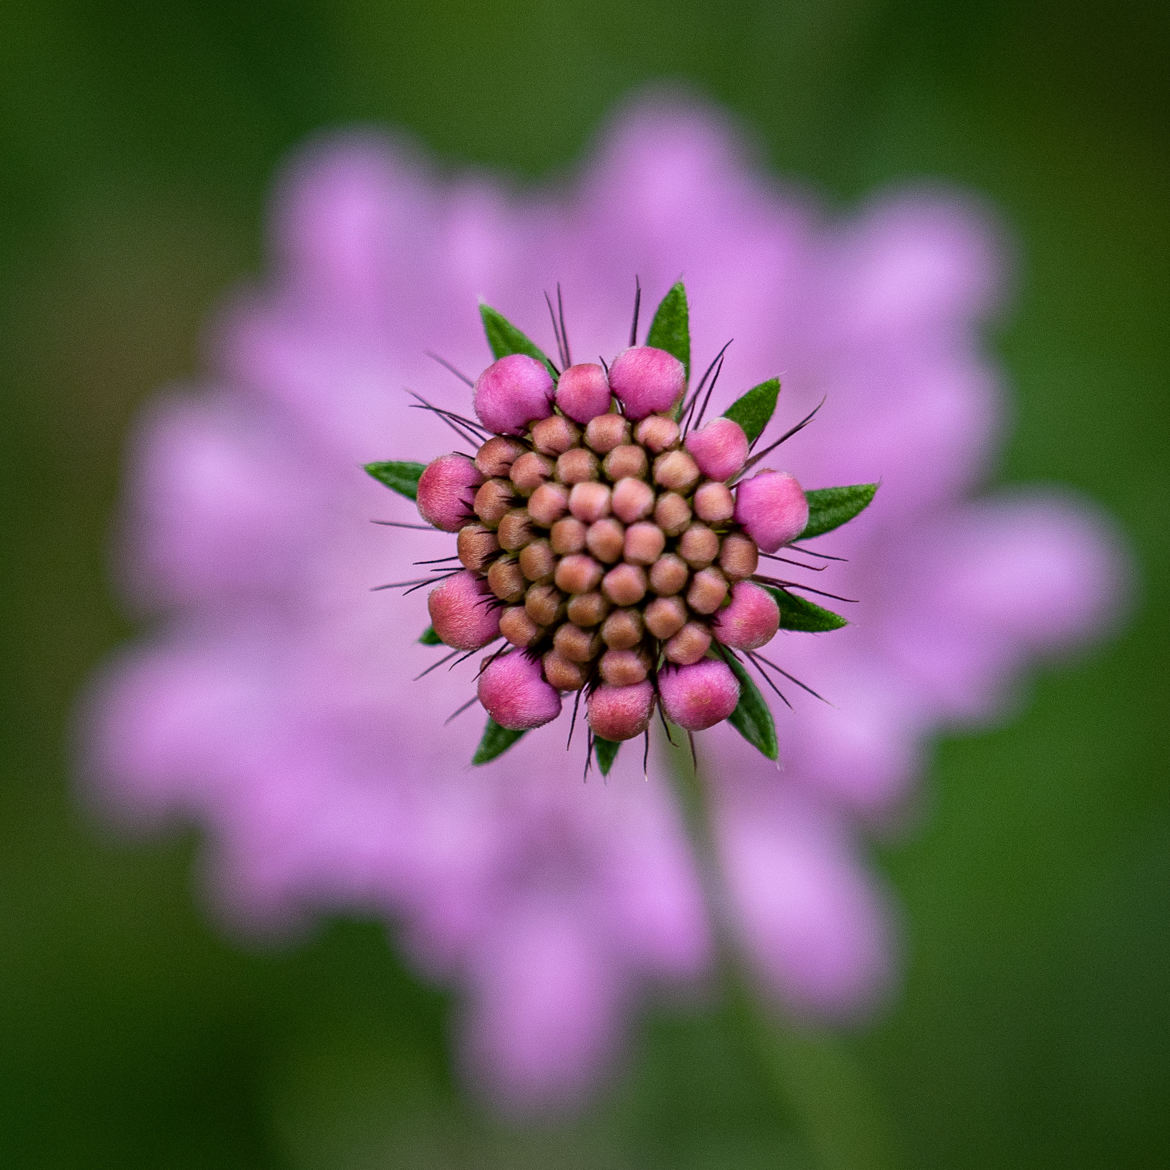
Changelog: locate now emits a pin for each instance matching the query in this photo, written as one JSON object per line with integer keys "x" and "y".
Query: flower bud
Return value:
{"x": 618, "y": 713}
{"x": 749, "y": 620}
{"x": 583, "y": 392}
{"x": 698, "y": 696}
{"x": 772, "y": 509}
{"x": 446, "y": 491}
{"x": 646, "y": 380}
{"x": 554, "y": 435}
{"x": 496, "y": 456}
{"x": 720, "y": 448}
{"x": 512, "y": 392}
{"x": 515, "y": 694}
{"x": 460, "y": 612}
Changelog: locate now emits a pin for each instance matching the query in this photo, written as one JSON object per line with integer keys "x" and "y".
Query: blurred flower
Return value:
{"x": 271, "y": 705}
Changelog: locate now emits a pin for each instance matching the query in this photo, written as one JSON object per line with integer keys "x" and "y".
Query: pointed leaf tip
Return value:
{"x": 430, "y": 638}
{"x": 753, "y": 410}
{"x": 829, "y": 508}
{"x": 496, "y": 740}
{"x": 752, "y": 716}
{"x": 398, "y": 476}
{"x": 803, "y": 616}
{"x": 606, "y": 751}
{"x": 671, "y": 328}
{"x": 504, "y": 338}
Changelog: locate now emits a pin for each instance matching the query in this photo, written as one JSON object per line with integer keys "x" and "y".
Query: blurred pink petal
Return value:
{"x": 272, "y": 704}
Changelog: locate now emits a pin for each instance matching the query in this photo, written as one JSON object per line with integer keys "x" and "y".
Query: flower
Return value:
{"x": 269, "y": 702}
{"x": 611, "y": 542}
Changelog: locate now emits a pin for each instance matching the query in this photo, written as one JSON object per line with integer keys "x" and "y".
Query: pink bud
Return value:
{"x": 647, "y": 380}
{"x": 750, "y": 620}
{"x": 446, "y": 491}
{"x": 461, "y": 613}
{"x": 514, "y": 693}
{"x": 699, "y": 696}
{"x": 619, "y": 713}
{"x": 720, "y": 448}
{"x": 583, "y": 392}
{"x": 772, "y": 508}
{"x": 512, "y": 392}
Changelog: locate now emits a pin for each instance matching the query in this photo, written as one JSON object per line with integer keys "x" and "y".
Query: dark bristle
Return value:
{"x": 783, "y": 438}
{"x": 637, "y": 309}
{"x": 459, "y": 710}
{"x": 788, "y": 561}
{"x": 791, "y": 678}
{"x": 403, "y": 524}
{"x": 689, "y": 405}
{"x": 450, "y": 368}
{"x": 435, "y": 665}
{"x": 809, "y": 552}
{"x": 573, "y": 720}
{"x": 564, "y": 331}
{"x": 710, "y": 391}
{"x": 779, "y": 584}
{"x": 552, "y": 313}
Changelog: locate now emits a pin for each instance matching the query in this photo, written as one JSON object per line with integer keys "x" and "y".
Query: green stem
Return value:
{"x": 812, "y": 1075}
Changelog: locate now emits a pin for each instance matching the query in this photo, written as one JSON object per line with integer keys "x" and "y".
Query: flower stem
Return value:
{"x": 813, "y": 1077}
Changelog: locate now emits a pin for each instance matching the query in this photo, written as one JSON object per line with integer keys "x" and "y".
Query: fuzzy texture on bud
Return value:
{"x": 446, "y": 491}
{"x": 583, "y": 392}
{"x": 749, "y": 620}
{"x": 646, "y": 380}
{"x": 512, "y": 392}
{"x": 772, "y": 508}
{"x": 720, "y": 448}
{"x": 460, "y": 613}
{"x": 698, "y": 696}
{"x": 619, "y": 713}
{"x": 514, "y": 693}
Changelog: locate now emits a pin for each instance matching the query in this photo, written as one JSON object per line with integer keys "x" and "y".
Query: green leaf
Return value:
{"x": 829, "y": 508}
{"x": 430, "y": 638}
{"x": 752, "y": 717}
{"x": 671, "y": 330}
{"x": 753, "y": 411}
{"x": 798, "y": 614}
{"x": 402, "y": 477}
{"x": 606, "y": 751}
{"x": 504, "y": 338}
{"x": 496, "y": 740}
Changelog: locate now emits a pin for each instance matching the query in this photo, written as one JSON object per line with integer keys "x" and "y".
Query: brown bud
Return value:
{"x": 496, "y": 456}
{"x": 668, "y": 575}
{"x": 548, "y": 504}
{"x": 577, "y": 466}
{"x": 492, "y": 499}
{"x": 577, "y": 573}
{"x": 607, "y": 431}
{"x": 689, "y": 645}
{"x": 589, "y": 501}
{"x": 519, "y": 628}
{"x": 739, "y": 557}
{"x": 633, "y": 499}
{"x": 644, "y": 543}
{"x": 529, "y": 471}
{"x": 623, "y": 668}
{"x": 555, "y": 435}
{"x": 476, "y": 546}
{"x": 665, "y": 616}
{"x": 707, "y": 591}
{"x": 626, "y": 461}
{"x": 515, "y": 529}
{"x": 657, "y": 432}
{"x": 714, "y": 502}
{"x": 672, "y": 513}
{"x": 624, "y": 584}
{"x": 587, "y": 609}
{"x": 505, "y": 579}
{"x": 623, "y": 629}
{"x": 545, "y": 604}
{"x": 698, "y": 546}
{"x": 567, "y": 536}
{"x": 537, "y": 561}
{"x": 563, "y": 674}
{"x": 676, "y": 471}
{"x": 605, "y": 539}
{"x": 576, "y": 644}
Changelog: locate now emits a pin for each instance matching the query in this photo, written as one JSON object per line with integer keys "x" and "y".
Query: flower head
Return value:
{"x": 619, "y": 559}
{"x": 271, "y": 702}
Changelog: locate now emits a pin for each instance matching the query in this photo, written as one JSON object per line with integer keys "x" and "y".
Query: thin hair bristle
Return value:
{"x": 451, "y": 369}
{"x": 637, "y": 309}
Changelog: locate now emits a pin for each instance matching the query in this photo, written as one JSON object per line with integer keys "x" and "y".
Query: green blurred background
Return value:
{"x": 137, "y": 143}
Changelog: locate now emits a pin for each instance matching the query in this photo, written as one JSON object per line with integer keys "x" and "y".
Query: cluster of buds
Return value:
{"x": 609, "y": 542}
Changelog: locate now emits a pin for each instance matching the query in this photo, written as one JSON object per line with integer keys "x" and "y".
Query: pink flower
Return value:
{"x": 270, "y": 702}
